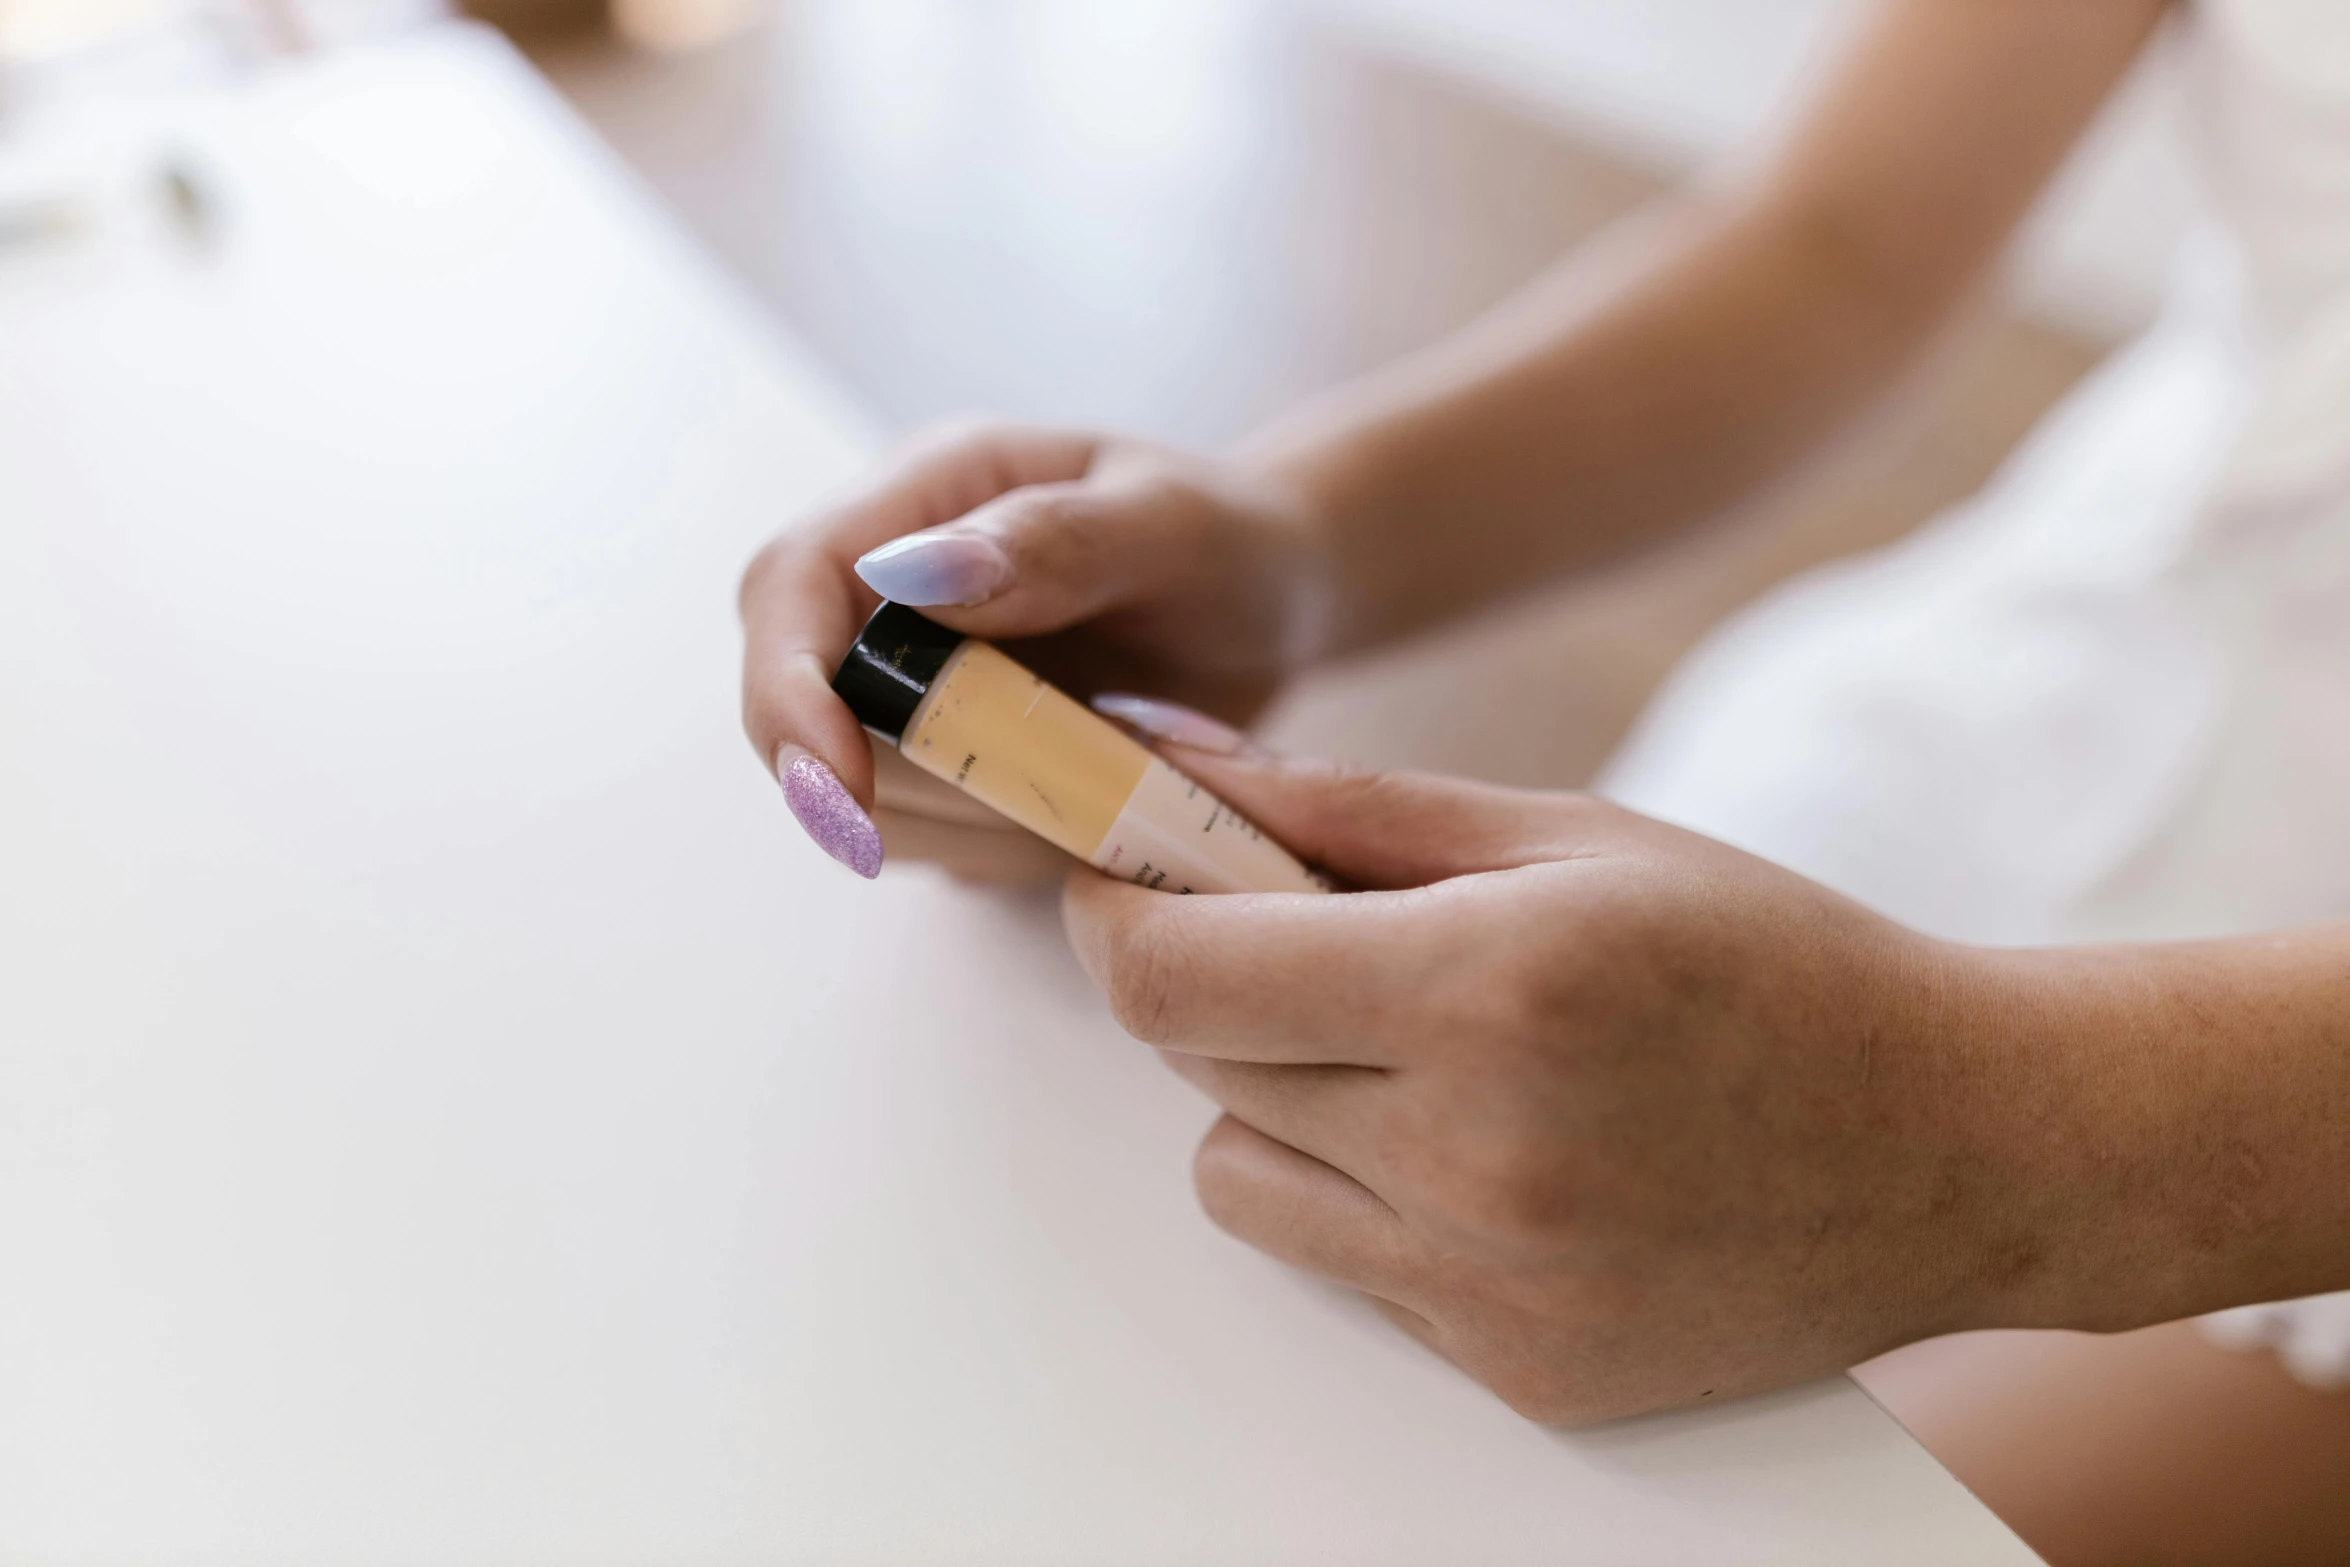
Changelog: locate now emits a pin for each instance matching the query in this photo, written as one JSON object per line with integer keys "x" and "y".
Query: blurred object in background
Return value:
{"x": 52, "y": 50}
{"x": 536, "y": 21}
{"x": 37, "y": 31}
{"x": 140, "y": 196}
{"x": 91, "y": 166}
{"x": 662, "y": 26}
{"x": 678, "y": 25}
{"x": 66, "y": 51}
{"x": 45, "y": 29}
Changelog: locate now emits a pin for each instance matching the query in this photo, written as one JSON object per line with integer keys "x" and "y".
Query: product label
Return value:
{"x": 1012, "y": 742}
{"x": 1175, "y": 836}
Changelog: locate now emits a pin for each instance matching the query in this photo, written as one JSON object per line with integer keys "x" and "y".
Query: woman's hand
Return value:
{"x": 1617, "y": 1117}
{"x": 1099, "y": 562}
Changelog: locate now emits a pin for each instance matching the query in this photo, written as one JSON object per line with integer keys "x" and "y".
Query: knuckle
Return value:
{"x": 1582, "y": 808}
{"x": 1040, "y": 517}
{"x": 1545, "y": 1397}
{"x": 1181, "y": 505}
{"x": 1337, "y": 794}
{"x": 767, "y": 709}
{"x": 1144, "y": 966}
{"x": 1602, "y": 950}
{"x": 1364, "y": 791}
{"x": 1526, "y": 1394}
{"x": 775, "y": 557}
{"x": 762, "y": 724}
{"x": 765, "y": 717}
{"x": 1552, "y": 1372}
{"x": 1218, "y": 1178}
{"x": 1499, "y": 993}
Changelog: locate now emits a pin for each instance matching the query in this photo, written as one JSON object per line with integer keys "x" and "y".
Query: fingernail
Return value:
{"x": 829, "y": 813}
{"x": 1172, "y": 722}
{"x": 926, "y": 569}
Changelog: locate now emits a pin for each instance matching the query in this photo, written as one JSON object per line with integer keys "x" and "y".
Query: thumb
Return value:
{"x": 1046, "y": 556}
{"x": 1377, "y": 829}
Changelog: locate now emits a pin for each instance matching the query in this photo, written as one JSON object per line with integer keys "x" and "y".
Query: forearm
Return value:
{"x": 1701, "y": 350}
{"x": 1680, "y": 363}
{"x": 2184, "y": 1113}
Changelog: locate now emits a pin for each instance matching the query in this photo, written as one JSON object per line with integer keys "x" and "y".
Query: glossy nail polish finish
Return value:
{"x": 931, "y": 569}
{"x": 1171, "y": 722}
{"x": 830, "y": 815}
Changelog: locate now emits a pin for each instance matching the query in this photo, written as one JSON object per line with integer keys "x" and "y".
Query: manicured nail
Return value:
{"x": 829, "y": 813}
{"x": 1172, "y": 722}
{"x": 925, "y": 569}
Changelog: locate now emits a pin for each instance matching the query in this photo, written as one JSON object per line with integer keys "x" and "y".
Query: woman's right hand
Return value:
{"x": 1103, "y": 563}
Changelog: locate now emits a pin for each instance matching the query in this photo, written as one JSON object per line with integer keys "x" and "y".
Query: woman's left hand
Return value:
{"x": 1612, "y": 1115}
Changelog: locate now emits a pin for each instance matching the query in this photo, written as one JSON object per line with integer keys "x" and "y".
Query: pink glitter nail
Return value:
{"x": 830, "y": 815}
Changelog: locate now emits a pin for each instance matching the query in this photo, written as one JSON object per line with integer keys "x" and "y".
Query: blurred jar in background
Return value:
{"x": 50, "y": 29}
{"x": 677, "y": 25}
{"x": 665, "y": 26}
{"x": 49, "y": 47}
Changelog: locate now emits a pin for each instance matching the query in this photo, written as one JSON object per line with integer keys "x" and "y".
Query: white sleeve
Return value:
{"x": 2312, "y": 1337}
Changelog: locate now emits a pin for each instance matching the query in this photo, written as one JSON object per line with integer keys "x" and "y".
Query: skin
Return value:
{"x": 1618, "y": 1118}
{"x": 2146, "y": 1449}
{"x": 1653, "y": 1122}
{"x": 1132, "y": 567}
{"x": 1690, "y": 357}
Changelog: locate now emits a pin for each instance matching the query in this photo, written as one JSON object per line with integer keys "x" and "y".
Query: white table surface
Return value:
{"x": 446, "y": 1111}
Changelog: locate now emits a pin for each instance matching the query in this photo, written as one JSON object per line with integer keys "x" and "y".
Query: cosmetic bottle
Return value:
{"x": 961, "y": 710}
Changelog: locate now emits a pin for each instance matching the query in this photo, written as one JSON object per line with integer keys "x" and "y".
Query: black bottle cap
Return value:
{"x": 890, "y": 667}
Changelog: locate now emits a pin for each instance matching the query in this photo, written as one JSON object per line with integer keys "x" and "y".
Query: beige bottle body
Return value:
{"x": 1020, "y": 745}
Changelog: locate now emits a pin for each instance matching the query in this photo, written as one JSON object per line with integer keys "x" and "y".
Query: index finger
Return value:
{"x": 1286, "y": 978}
{"x": 802, "y": 602}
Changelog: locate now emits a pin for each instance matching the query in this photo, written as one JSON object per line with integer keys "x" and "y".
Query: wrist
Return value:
{"x": 2146, "y": 1123}
{"x": 1325, "y": 466}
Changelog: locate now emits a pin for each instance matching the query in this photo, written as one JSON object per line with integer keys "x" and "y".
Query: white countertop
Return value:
{"x": 447, "y": 1114}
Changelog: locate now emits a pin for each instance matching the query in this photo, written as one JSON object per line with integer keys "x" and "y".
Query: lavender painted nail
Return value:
{"x": 831, "y": 816}
{"x": 928, "y": 569}
{"x": 1172, "y": 722}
